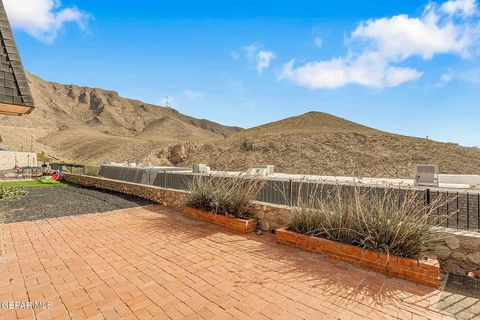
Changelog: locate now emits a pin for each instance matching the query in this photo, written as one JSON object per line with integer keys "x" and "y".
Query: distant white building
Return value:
{"x": 11, "y": 159}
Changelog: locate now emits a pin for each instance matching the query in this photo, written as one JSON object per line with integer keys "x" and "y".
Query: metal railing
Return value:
{"x": 288, "y": 192}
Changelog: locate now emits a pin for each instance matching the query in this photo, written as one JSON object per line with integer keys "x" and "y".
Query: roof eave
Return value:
{"x": 14, "y": 110}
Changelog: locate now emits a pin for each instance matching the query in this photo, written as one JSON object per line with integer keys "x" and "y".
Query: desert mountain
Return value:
{"x": 319, "y": 143}
{"x": 96, "y": 126}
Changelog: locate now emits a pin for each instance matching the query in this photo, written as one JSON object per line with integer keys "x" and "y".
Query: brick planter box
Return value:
{"x": 233, "y": 224}
{"x": 422, "y": 272}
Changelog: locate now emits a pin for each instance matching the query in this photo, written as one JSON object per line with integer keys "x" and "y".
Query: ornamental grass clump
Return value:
{"x": 230, "y": 196}
{"x": 11, "y": 193}
{"x": 386, "y": 221}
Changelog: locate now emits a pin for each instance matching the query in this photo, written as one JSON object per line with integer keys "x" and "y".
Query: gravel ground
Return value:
{"x": 51, "y": 202}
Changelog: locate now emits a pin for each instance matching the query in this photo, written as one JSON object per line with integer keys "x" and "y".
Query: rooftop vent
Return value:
{"x": 426, "y": 175}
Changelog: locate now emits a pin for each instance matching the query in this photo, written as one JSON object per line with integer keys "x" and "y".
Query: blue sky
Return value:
{"x": 408, "y": 67}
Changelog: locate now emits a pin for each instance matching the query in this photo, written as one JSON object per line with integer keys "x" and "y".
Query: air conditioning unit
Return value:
{"x": 426, "y": 175}
{"x": 201, "y": 168}
{"x": 268, "y": 167}
{"x": 261, "y": 172}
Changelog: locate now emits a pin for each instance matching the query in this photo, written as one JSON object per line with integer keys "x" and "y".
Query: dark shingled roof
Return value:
{"x": 14, "y": 87}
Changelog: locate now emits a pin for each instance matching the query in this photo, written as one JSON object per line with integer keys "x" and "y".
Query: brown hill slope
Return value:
{"x": 319, "y": 143}
{"x": 96, "y": 126}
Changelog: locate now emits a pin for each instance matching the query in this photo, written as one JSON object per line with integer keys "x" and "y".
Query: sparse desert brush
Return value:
{"x": 11, "y": 193}
{"x": 388, "y": 221}
{"x": 231, "y": 196}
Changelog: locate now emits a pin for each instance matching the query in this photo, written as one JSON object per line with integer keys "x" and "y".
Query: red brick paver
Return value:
{"x": 153, "y": 263}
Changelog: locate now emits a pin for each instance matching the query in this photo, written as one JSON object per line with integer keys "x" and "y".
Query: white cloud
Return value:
{"x": 339, "y": 72}
{"x": 376, "y": 47}
{"x": 395, "y": 76}
{"x": 401, "y": 37}
{"x": 318, "y": 42}
{"x": 193, "y": 94}
{"x": 262, "y": 58}
{"x": 43, "y": 19}
{"x": 462, "y": 7}
{"x": 251, "y": 50}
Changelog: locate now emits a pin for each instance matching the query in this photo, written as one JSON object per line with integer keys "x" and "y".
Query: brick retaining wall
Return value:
{"x": 422, "y": 272}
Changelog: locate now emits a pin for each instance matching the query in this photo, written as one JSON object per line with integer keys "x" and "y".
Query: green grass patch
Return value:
{"x": 30, "y": 184}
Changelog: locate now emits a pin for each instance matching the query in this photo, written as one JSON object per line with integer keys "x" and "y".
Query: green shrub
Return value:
{"x": 387, "y": 222}
{"x": 11, "y": 193}
{"x": 231, "y": 196}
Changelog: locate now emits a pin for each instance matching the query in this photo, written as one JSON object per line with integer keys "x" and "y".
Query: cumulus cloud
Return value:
{"x": 43, "y": 19}
{"x": 462, "y": 7}
{"x": 339, "y": 72}
{"x": 262, "y": 58}
{"x": 378, "y": 46}
{"x": 193, "y": 94}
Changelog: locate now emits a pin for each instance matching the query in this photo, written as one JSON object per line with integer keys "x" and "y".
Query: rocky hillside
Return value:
{"x": 319, "y": 143}
{"x": 96, "y": 126}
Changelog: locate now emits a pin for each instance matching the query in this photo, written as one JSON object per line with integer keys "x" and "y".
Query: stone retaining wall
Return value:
{"x": 166, "y": 197}
{"x": 270, "y": 216}
{"x": 458, "y": 253}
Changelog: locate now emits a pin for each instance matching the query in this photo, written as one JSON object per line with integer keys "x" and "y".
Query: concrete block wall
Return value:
{"x": 10, "y": 159}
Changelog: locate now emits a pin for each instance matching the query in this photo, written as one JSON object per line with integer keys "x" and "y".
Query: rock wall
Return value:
{"x": 166, "y": 197}
{"x": 459, "y": 251}
{"x": 270, "y": 216}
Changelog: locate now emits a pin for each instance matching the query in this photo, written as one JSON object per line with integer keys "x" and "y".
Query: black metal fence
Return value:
{"x": 461, "y": 207}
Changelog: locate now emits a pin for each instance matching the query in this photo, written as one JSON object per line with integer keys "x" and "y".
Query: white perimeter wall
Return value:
{"x": 459, "y": 179}
{"x": 8, "y": 159}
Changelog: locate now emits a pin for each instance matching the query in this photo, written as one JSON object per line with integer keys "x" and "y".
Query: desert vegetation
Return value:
{"x": 230, "y": 196}
{"x": 9, "y": 193}
{"x": 386, "y": 222}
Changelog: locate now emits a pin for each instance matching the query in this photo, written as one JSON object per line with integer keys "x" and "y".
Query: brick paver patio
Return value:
{"x": 152, "y": 263}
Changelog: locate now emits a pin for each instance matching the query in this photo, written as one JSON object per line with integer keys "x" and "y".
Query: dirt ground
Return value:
{"x": 51, "y": 202}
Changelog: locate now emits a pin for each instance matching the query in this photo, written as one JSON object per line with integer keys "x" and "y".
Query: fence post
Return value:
{"x": 468, "y": 211}
{"x": 290, "y": 187}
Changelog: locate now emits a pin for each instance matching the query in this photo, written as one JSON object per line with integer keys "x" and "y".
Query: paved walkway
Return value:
{"x": 152, "y": 263}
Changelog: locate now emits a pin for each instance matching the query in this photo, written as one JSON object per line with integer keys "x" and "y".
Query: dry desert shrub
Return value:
{"x": 231, "y": 196}
{"x": 384, "y": 220}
